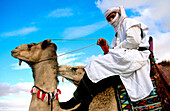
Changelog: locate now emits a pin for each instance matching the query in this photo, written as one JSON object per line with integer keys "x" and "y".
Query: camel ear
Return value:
{"x": 45, "y": 43}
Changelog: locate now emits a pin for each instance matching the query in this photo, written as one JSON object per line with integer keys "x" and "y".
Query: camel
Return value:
{"x": 42, "y": 58}
{"x": 104, "y": 101}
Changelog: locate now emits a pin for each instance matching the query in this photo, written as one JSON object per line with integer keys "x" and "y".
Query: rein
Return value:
{"x": 55, "y": 57}
{"x": 76, "y": 50}
{"x": 74, "y": 40}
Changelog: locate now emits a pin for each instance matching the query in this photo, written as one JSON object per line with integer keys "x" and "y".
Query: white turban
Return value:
{"x": 118, "y": 19}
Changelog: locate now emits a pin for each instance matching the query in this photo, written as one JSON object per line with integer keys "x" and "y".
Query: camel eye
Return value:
{"x": 30, "y": 45}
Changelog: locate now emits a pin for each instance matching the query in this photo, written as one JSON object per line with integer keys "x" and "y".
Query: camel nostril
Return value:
{"x": 13, "y": 51}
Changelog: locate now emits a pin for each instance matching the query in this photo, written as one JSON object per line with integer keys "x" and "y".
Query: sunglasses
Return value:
{"x": 112, "y": 15}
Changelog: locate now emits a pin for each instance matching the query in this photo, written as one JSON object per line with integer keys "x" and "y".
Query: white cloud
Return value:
{"x": 156, "y": 11}
{"x": 162, "y": 46}
{"x": 81, "y": 31}
{"x": 78, "y": 64}
{"x": 23, "y": 66}
{"x": 15, "y": 97}
{"x": 15, "y": 103}
{"x": 20, "y": 32}
{"x": 152, "y": 13}
{"x": 156, "y": 16}
{"x": 65, "y": 12}
{"x": 69, "y": 59}
{"x": 67, "y": 89}
{"x": 91, "y": 58}
{"x": 103, "y": 5}
{"x": 18, "y": 89}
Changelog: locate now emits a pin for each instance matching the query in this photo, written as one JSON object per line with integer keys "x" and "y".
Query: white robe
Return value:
{"x": 125, "y": 60}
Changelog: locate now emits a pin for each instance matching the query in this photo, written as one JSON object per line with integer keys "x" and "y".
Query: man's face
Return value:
{"x": 111, "y": 16}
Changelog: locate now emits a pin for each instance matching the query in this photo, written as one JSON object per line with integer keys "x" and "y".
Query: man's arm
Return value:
{"x": 133, "y": 39}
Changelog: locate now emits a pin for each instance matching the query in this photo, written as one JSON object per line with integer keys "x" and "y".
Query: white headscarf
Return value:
{"x": 119, "y": 18}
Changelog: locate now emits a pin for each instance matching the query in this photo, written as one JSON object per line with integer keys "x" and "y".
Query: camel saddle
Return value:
{"x": 159, "y": 98}
{"x": 162, "y": 78}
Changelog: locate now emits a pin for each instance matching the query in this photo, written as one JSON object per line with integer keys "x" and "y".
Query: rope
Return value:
{"x": 55, "y": 57}
{"x": 72, "y": 39}
{"x": 70, "y": 51}
{"x": 76, "y": 50}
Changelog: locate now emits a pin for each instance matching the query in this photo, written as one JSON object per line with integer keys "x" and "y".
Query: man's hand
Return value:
{"x": 101, "y": 42}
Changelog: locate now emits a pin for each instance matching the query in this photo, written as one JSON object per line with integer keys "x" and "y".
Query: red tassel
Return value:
{"x": 38, "y": 94}
{"x": 31, "y": 90}
{"x": 46, "y": 97}
{"x": 43, "y": 95}
{"x": 56, "y": 96}
{"x": 59, "y": 91}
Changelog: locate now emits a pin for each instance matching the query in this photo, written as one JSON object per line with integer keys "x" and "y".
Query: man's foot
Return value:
{"x": 69, "y": 104}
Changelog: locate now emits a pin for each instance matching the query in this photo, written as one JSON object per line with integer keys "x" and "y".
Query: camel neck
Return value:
{"x": 45, "y": 75}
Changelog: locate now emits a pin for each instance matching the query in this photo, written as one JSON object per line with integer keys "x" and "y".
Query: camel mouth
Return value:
{"x": 14, "y": 53}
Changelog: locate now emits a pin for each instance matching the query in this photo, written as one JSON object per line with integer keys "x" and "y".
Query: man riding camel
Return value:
{"x": 128, "y": 59}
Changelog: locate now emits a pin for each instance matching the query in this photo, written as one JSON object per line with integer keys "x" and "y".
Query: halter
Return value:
{"x": 46, "y": 96}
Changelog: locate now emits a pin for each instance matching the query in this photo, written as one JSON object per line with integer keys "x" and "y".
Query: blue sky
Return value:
{"x": 27, "y": 21}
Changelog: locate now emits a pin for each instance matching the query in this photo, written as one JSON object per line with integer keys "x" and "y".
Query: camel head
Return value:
{"x": 42, "y": 58}
{"x": 34, "y": 52}
{"x": 73, "y": 74}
